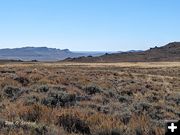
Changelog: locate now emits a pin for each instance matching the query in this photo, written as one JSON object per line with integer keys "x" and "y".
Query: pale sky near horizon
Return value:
{"x": 89, "y": 25}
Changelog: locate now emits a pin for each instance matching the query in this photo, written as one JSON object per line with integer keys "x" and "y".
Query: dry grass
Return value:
{"x": 100, "y": 98}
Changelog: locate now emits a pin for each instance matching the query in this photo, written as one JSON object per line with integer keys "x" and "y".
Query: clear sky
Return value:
{"x": 89, "y": 25}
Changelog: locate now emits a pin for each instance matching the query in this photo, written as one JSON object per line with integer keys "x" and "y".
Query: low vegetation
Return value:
{"x": 88, "y": 99}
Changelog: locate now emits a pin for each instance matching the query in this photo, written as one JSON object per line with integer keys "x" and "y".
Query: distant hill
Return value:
{"x": 39, "y": 54}
{"x": 169, "y": 52}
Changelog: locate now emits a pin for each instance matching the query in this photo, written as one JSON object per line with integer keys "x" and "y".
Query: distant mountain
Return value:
{"x": 129, "y": 51}
{"x": 91, "y": 53}
{"x": 134, "y": 51}
{"x": 40, "y": 54}
{"x": 169, "y": 52}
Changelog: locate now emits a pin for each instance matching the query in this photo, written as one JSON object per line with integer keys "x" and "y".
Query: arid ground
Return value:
{"x": 82, "y": 98}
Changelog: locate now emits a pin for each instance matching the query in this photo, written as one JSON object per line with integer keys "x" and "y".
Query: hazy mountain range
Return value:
{"x": 169, "y": 52}
{"x": 42, "y": 54}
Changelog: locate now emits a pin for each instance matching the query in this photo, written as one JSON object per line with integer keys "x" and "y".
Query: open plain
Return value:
{"x": 88, "y": 98}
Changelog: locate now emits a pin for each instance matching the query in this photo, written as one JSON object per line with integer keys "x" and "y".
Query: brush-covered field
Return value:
{"x": 93, "y": 99}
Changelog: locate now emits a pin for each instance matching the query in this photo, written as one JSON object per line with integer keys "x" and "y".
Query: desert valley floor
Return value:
{"x": 88, "y": 98}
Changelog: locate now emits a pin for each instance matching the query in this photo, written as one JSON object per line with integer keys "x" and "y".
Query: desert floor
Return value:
{"x": 88, "y": 98}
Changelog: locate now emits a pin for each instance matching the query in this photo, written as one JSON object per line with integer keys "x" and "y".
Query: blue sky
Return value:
{"x": 89, "y": 25}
